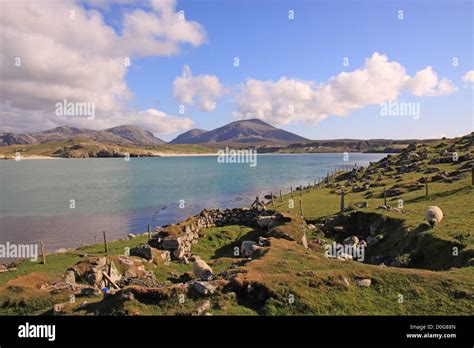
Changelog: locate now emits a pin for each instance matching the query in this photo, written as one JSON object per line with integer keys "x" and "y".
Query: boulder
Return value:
{"x": 352, "y": 240}
{"x": 203, "y": 288}
{"x": 144, "y": 251}
{"x": 262, "y": 241}
{"x": 345, "y": 256}
{"x": 264, "y": 221}
{"x": 366, "y": 282}
{"x": 58, "y": 308}
{"x": 171, "y": 243}
{"x": 70, "y": 277}
{"x": 246, "y": 247}
{"x": 201, "y": 308}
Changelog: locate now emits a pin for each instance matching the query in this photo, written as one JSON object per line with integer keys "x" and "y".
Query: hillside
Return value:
{"x": 410, "y": 268}
{"x": 187, "y": 137}
{"x": 244, "y": 132}
{"x": 121, "y": 135}
{"x": 85, "y": 148}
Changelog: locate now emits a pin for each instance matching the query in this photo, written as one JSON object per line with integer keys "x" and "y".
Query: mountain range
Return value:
{"x": 239, "y": 132}
{"x": 122, "y": 135}
{"x": 244, "y": 133}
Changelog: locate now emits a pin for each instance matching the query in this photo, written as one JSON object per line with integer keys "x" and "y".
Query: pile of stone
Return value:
{"x": 101, "y": 272}
{"x": 177, "y": 239}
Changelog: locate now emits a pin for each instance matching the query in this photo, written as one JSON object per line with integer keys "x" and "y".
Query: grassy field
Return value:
{"x": 435, "y": 274}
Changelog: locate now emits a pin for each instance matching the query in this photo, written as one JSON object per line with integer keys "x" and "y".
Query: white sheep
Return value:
{"x": 434, "y": 215}
{"x": 201, "y": 269}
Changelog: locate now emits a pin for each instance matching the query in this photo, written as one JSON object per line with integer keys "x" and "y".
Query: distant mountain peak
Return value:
{"x": 241, "y": 131}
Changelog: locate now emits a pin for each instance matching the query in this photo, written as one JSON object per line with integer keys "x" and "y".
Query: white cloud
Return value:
{"x": 157, "y": 121}
{"x": 288, "y": 100}
{"x": 469, "y": 78}
{"x": 202, "y": 88}
{"x": 426, "y": 83}
{"x": 68, "y": 52}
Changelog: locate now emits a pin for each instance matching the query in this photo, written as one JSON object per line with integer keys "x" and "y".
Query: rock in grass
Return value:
{"x": 434, "y": 215}
{"x": 352, "y": 240}
{"x": 247, "y": 247}
{"x": 203, "y": 288}
{"x": 201, "y": 308}
{"x": 366, "y": 282}
{"x": 70, "y": 277}
{"x": 58, "y": 308}
{"x": 264, "y": 221}
{"x": 144, "y": 251}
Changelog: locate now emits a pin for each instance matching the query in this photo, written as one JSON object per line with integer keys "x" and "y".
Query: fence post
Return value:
{"x": 42, "y": 252}
{"x": 271, "y": 193}
{"x": 149, "y": 231}
{"x": 384, "y": 197}
{"x": 301, "y": 208}
{"x": 426, "y": 186}
{"x": 291, "y": 188}
{"x": 105, "y": 243}
{"x": 342, "y": 201}
{"x": 281, "y": 198}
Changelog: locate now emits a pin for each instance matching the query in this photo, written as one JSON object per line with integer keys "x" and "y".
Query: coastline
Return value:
{"x": 159, "y": 154}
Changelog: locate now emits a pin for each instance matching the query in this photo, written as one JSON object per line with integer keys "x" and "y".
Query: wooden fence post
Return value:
{"x": 281, "y": 198}
{"x": 291, "y": 188}
{"x": 472, "y": 175}
{"x": 384, "y": 197}
{"x": 149, "y": 231}
{"x": 342, "y": 201}
{"x": 426, "y": 186}
{"x": 105, "y": 243}
{"x": 271, "y": 193}
{"x": 301, "y": 208}
{"x": 301, "y": 190}
{"x": 42, "y": 252}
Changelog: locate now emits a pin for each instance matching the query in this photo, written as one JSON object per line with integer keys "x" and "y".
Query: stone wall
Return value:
{"x": 179, "y": 238}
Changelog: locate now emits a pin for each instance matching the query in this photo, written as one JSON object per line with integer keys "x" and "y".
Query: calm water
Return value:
{"x": 124, "y": 197}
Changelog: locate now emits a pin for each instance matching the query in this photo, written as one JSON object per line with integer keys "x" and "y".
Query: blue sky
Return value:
{"x": 309, "y": 48}
{"x": 312, "y": 46}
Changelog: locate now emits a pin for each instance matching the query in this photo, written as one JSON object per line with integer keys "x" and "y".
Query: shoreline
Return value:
{"x": 157, "y": 155}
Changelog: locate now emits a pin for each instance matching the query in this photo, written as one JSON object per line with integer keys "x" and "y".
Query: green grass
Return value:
{"x": 286, "y": 271}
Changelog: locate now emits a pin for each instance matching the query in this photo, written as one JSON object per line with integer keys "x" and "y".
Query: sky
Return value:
{"x": 321, "y": 69}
